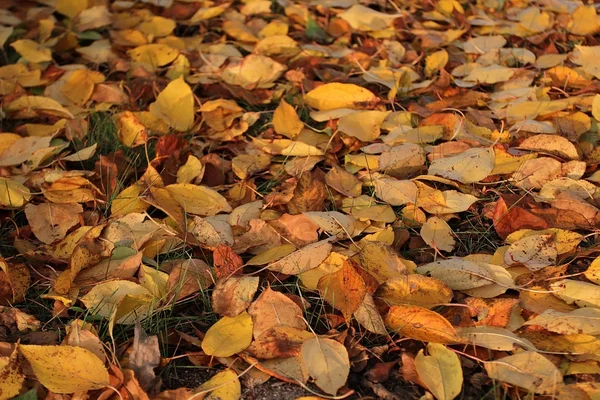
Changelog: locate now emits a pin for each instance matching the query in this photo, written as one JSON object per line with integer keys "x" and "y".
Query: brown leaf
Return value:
{"x": 226, "y": 262}
{"x": 50, "y": 222}
{"x": 310, "y": 193}
{"x": 233, "y": 295}
{"x": 187, "y": 277}
{"x": 144, "y": 357}
{"x": 279, "y": 342}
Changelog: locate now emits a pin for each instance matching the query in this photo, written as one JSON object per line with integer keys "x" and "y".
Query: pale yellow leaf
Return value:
{"x": 302, "y": 260}
{"x": 438, "y": 234}
{"x": 440, "y": 371}
{"x": 363, "y": 125}
{"x": 583, "y": 294}
{"x": 528, "y": 370}
{"x": 32, "y": 51}
{"x": 199, "y": 200}
{"x": 327, "y": 363}
{"x": 583, "y": 320}
{"x": 191, "y": 172}
{"x": 493, "y": 338}
{"x": 470, "y": 166}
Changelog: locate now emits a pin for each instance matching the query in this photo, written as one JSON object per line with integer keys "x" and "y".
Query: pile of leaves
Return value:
{"x": 353, "y": 196}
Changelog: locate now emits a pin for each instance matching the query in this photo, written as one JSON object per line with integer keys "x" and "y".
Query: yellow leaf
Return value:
{"x": 584, "y": 21}
{"x": 71, "y": 8}
{"x": 440, "y": 371}
{"x": 366, "y": 19}
{"x": 175, "y": 104}
{"x": 32, "y": 51}
{"x": 438, "y": 234}
{"x": 128, "y": 201}
{"x": 12, "y": 378}
{"x": 66, "y": 369}
{"x": 419, "y": 290}
{"x": 38, "y": 103}
{"x": 152, "y": 56}
{"x": 235, "y": 28}
{"x": 382, "y": 261}
{"x": 80, "y": 85}
{"x": 113, "y": 300}
{"x": 191, "y": 172}
{"x": 200, "y": 200}
{"x": 506, "y": 163}
{"x": 286, "y": 121}
{"x": 596, "y": 107}
{"x": 340, "y": 95}
{"x": 205, "y": 13}
{"x": 435, "y": 62}
{"x": 421, "y": 324}
{"x": 225, "y": 385}
{"x": 154, "y": 280}
{"x": 253, "y": 72}
{"x": 130, "y": 130}
{"x": 228, "y": 336}
{"x": 157, "y": 26}
{"x": 246, "y": 165}
{"x": 327, "y": 362}
{"x": 13, "y": 194}
{"x": 363, "y": 125}
{"x": 277, "y": 45}
{"x": 6, "y": 140}
{"x": 272, "y": 254}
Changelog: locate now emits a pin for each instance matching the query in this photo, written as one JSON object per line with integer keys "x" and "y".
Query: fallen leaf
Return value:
{"x": 327, "y": 363}
{"x": 440, "y": 371}
{"x": 66, "y": 369}
{"x": 421, "y": 324}
{"x": 344, "y": 289}
{"x": 273, "y": 309}
{"x": 528, "y": 370}
{"x": 228, "y": 336}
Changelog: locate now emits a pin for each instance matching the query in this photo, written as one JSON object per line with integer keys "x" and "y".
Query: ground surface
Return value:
{"x": 341, "y": 198}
